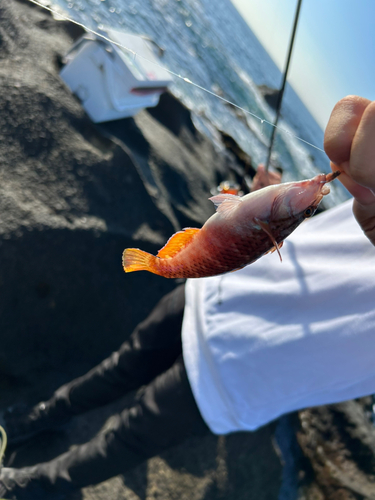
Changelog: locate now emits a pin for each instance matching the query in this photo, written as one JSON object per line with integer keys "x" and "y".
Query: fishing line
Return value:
{"x": 186, "y": 80}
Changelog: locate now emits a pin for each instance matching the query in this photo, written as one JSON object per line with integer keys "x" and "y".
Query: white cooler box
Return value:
{"x": 110, "y": 81}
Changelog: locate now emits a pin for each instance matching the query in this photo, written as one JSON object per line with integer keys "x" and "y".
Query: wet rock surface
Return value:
{"x": 270, "y": 95}
{"x": 73, "y": 195}
{"x": 338, "y": 447}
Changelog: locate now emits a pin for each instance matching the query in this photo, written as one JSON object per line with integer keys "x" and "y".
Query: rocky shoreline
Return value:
{"x": 73, "y": 195}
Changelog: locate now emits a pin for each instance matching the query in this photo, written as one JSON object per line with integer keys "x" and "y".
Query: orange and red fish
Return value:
{"x": 239, "y": 233}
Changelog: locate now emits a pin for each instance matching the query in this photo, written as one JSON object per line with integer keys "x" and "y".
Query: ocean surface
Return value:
{"x": 209, "y": 43}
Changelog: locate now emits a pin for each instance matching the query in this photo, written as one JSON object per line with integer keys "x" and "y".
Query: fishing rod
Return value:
{"x": 281, "y": 91}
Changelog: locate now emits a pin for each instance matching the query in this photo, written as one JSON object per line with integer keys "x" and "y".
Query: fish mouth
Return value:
{"x": 324, "y": 190}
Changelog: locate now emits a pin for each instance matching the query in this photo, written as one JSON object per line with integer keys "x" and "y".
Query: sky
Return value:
{"x": 334, "y": 48}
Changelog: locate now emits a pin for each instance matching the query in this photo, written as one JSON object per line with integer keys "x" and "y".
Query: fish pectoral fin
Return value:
{"x": 226, "y": 203}
{"x": 273, "y": 249}
{"x": 266, "y": 228}
{"x": 177, "y": 242}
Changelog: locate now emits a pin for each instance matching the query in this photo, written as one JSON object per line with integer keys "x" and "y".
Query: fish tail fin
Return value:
{"x": 134, "y": 259}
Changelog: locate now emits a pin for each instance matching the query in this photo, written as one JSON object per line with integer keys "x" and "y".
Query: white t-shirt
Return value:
{"x": 276, "y": 337}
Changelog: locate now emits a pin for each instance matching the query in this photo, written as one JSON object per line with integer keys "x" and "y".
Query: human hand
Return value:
{"x": 264, "y": 178}
{"x": 349, "y": 142}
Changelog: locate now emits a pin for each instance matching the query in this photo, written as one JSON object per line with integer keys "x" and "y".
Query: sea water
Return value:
{"x": 210, "y": 44}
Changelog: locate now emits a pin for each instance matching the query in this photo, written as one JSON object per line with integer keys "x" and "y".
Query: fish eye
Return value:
{"x": 308, "y": 212}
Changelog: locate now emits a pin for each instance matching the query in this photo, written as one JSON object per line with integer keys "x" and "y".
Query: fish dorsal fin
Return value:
{"x": 177, "y": 242}
{"x": 226, "y": 203}
{"x": 266, "y": 228}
